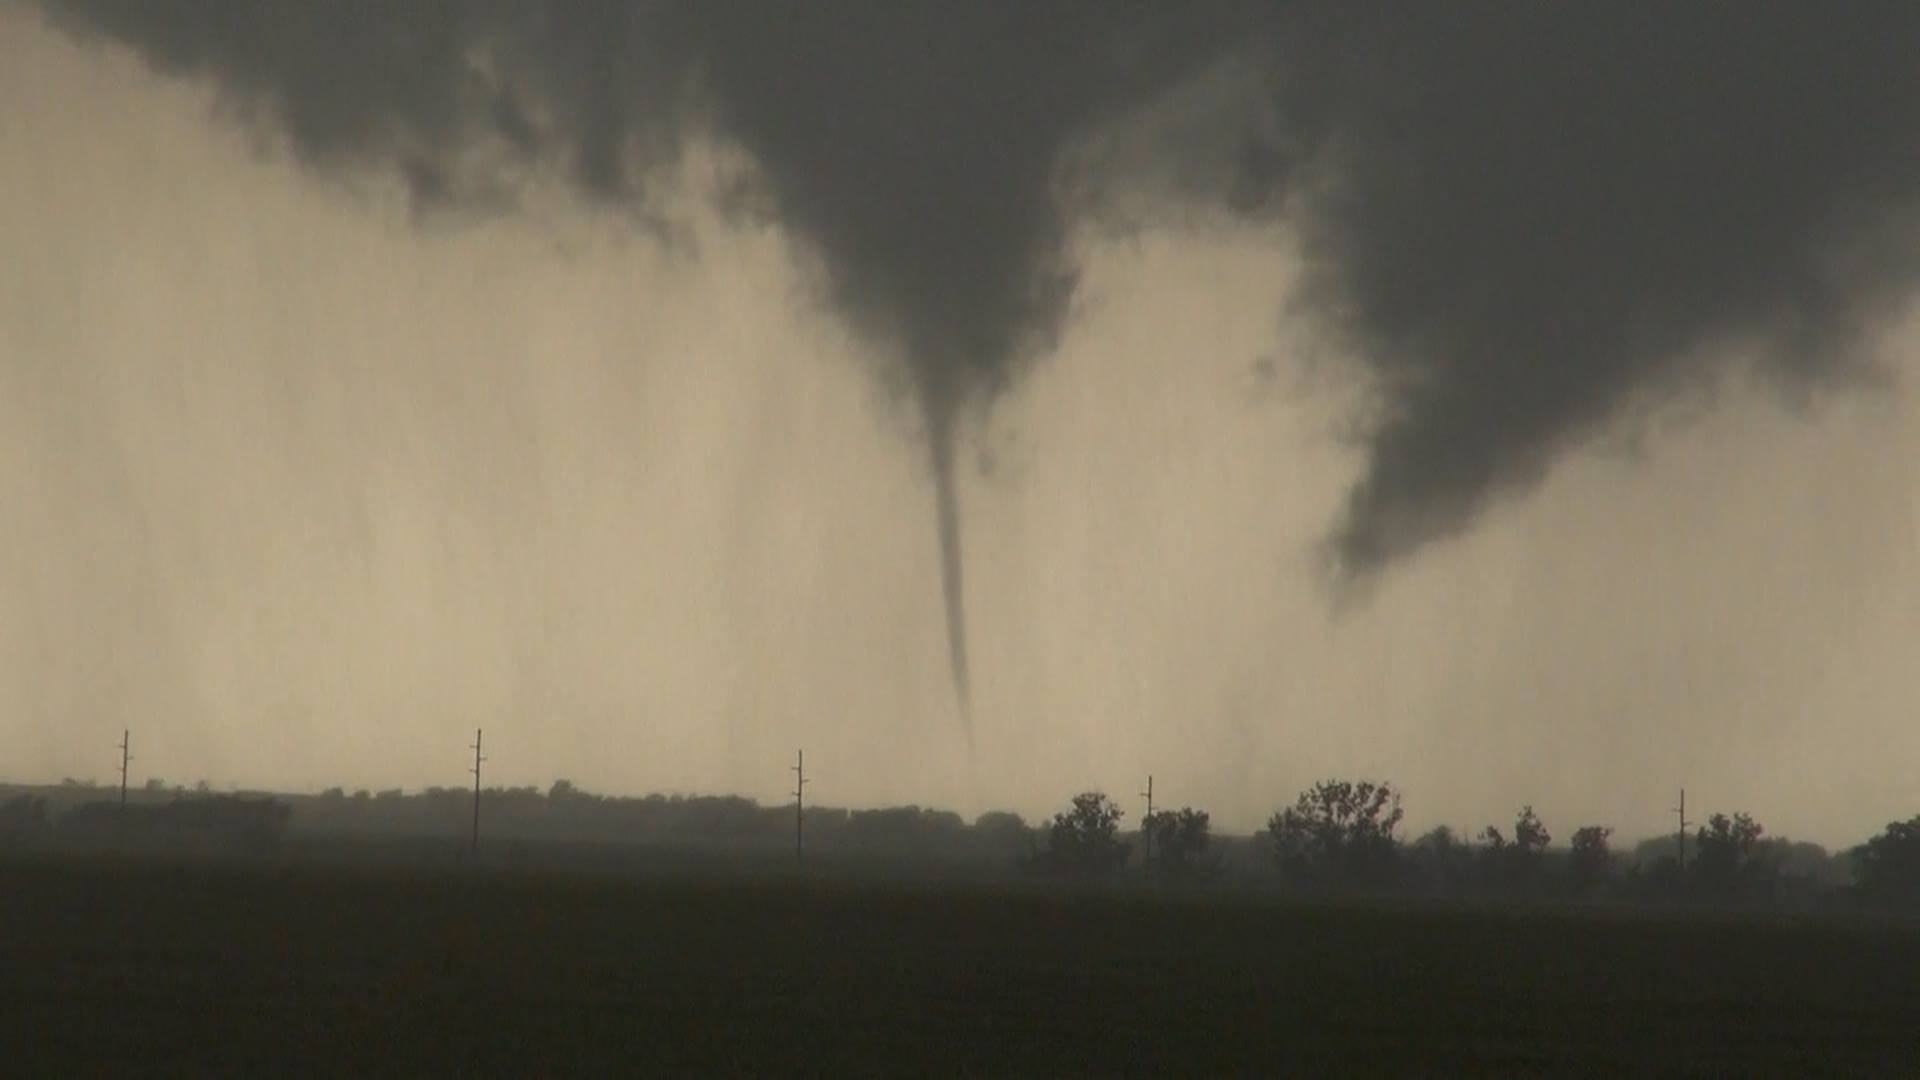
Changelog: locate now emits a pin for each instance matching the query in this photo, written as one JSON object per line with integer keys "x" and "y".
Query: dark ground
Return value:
{"x": 109, "y": 966}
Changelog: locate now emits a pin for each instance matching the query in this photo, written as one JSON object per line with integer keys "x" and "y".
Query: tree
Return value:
{"x": 1888, "y": 866}
{"x": 1727, "y": 858}
{"x": 1516, "y": 863}
{"x": 1000, "y": 822}
{"x": 1530, "y": 835}
{"x": 1002, "y": 831}
{"x": 1178, "y": 839}
{"x": 1591, "y": 861}
{"x": 1338, "y": 832}
{"x": 1443, "y": 859}
{"x": 1085, "y": 840}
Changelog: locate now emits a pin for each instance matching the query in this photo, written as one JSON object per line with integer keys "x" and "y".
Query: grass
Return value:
{"x": 194, "y": 968}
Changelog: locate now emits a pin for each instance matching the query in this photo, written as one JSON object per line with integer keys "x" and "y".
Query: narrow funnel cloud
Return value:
{"x": 953, "y": 582}
{"x": 911, "y": 146}
{"x": 1517, "y": 221}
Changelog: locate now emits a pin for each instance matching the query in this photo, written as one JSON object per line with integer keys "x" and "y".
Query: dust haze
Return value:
{"x": 308, "y": 471}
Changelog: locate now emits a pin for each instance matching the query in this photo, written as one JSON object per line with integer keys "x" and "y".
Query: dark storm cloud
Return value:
{"x": 912, "y": 144}
{"x": 1517, "y": 216}
{"x": 1522, "y": 214}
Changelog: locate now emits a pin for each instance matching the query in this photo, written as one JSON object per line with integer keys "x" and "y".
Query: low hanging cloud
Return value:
{"x": 1516, "y": 218}
{"x": 1523, "y": 215}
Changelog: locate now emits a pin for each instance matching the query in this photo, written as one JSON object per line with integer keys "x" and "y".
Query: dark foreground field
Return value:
{"x": 136, "y": 968}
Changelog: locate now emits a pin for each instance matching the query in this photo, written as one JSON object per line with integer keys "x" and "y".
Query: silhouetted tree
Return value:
{"x": 1443, "y": 859}
{"x": 903, "y": 827}
{"x": 1727, "y": 858}
{"x": 1002, "y": 831}
{"x": 999, "y": 822}
{"x": 1338, "y": 832}
{"x": 1515, "y": 863}
{"x": 1590, "y": 862}
{"x": 1085, "y": 840}
{"x": 1808, "y": 863}
{"x": 1888, "y": 866}
{"x": 1178, "y": 840}
{"x": 1530, "y": 834}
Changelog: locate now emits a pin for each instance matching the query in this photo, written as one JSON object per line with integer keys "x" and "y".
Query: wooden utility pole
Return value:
{"x": 1146, "y": 823}
{"x": 1682, "y": 834}
{"x": 799, "y": 804}
{"x": 126, "y": 743}
{"x": 477, "y": 759}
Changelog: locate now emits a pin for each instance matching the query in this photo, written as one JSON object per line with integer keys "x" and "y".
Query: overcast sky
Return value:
{"x": 303, "y": 477}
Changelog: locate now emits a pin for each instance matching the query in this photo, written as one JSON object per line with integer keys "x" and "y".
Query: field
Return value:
{"x": 194, "y": 968}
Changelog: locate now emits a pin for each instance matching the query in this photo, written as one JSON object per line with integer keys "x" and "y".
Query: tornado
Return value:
{"x": 953, "y": 584}
{"x": 1516, "y": 223}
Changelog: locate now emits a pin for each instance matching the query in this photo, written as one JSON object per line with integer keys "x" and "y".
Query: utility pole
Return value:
{"x": 799, "y": 801}
{"x": 1682, "y": 834}
{"x": 1146, "y": 823}
{"x": 477, "y": 759}
{"x": 125, "y": 743}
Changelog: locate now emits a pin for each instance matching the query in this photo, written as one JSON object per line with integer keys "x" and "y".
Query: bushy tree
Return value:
{"x": 1809, "y": 865}
{"x": 1177, "y": 840}
{"x": 1002, "y": 831}
{"x": 1338, "y": 832}
{"x": 1727, "y": 856}
{"x": 1000, "y": 823}
{"x": 1888, "y": 866}
{"x": 1530, "y": 835}
{"x": 1590, "y": 862}
{"x": 1085, "y": 839}
{"x": 1516, "y": 863}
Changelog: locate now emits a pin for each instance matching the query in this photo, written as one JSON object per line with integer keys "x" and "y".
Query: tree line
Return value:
{"x": 1337, "y": 836}
{"x": 1344, "y": 836}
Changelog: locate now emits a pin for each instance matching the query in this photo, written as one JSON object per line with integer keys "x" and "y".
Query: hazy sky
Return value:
{"x": 303, "y": 485}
